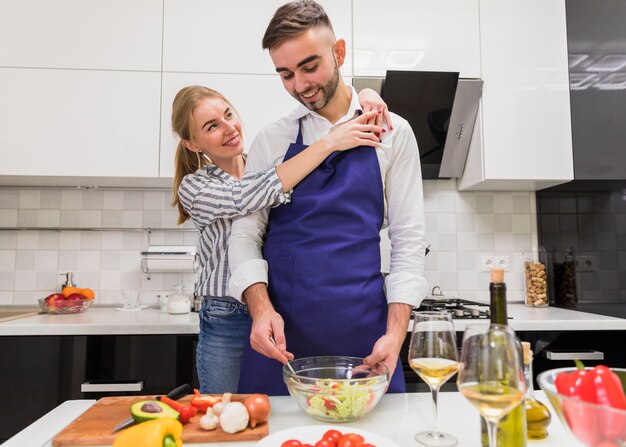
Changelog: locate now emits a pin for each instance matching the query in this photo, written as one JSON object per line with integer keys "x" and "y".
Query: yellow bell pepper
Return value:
{"x": 162, "y": 432}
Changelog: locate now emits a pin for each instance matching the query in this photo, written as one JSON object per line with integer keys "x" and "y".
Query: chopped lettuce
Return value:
{"x": 341, "y": 401}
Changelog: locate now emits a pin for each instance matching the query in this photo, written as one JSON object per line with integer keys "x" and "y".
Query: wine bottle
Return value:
{"x": 538, "y": 416}
{"x": 512, "y": 427}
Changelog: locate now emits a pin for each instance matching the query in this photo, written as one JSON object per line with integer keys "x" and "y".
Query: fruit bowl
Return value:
{"x": 335, "y": 388}
{"x": 65, "y": 306}
{"x": 592, "y": 424}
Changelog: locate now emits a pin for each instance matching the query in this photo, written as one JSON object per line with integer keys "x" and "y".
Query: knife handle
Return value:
{"x": 178, "y": 392}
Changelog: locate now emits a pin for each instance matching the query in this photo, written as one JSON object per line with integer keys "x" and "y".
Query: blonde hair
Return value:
{"x": 186, "y": 161}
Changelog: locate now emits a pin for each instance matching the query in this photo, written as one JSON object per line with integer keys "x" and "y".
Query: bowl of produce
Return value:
{"x": 590, "y": 402}
{"x": 67, "y": 302}
{"x": 335, "y": 388}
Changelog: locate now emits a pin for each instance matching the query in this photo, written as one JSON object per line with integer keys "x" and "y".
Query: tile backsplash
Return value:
{"x": 461, "y": 227}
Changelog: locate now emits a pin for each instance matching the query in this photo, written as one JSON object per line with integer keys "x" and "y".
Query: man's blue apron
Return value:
{"x": 323, "y": 253}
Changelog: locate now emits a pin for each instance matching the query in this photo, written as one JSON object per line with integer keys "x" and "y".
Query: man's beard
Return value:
{"x": 327, "y": 91}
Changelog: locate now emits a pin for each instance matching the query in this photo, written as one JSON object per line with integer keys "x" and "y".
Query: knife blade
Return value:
{"x": 175, "y": 394}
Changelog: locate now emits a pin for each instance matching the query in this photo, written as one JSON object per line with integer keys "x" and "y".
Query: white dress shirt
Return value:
{"x": 401, "y": 174}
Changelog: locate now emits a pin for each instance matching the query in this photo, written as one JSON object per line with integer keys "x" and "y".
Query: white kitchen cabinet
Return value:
{"x": 225, "y": 37}
{"x": 78, "y": 123}
{"x": 89, "y": 34}
{"x": 259, "y": 100}
{"x": 426, "y": 35}
{"x": 525, "y": 141}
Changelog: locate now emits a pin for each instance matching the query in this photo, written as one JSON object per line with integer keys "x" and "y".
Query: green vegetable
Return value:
{"x": 341, "y": 401}
{"x": 147, "y": 410}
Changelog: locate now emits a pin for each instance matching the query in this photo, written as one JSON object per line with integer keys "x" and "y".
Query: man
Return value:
{"x": 326, "y": 293}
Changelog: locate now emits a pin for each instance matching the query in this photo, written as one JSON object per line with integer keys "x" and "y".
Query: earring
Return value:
{"x": 199, "y": 161}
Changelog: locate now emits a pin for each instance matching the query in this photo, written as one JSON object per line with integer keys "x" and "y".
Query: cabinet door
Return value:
{"x": 79, "y": 123}
{"x": 259, "y": 100}
{"x": 428, "y": 35}
{"x": 526, "y": 135}
{"x": 225, "y": 37}
{"x": 112, "y": 34}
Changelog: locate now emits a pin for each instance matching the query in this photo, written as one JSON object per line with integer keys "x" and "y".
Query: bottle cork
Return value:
{"x": 528, "y": 353}
{"x": 497, "y": 275}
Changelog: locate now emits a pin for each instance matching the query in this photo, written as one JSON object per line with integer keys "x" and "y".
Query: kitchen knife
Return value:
{"x": 175, "y": 394}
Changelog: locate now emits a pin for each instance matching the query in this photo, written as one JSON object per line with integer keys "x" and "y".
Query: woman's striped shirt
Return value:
{"x": 213, "y": 198}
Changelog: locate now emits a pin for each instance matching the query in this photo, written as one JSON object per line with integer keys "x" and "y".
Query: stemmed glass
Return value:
{"x": 433, "y": 356}
{"x": 491, "y": 375}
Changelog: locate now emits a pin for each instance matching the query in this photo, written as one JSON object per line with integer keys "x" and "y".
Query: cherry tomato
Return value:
{"x": 291, "y": 443}
{"x": 351, "y": 440}
{"x": 334, "y": 435}
{"x": 325, "y": 443}
{"x": 368, "y": 445}
{"x": 307, "y": 445}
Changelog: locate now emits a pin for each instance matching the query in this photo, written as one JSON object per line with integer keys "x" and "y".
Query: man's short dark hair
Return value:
{"x": 293, "y": 19}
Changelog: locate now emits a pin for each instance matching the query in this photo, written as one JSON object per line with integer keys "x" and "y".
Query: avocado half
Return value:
{"x": 146, "y": 410}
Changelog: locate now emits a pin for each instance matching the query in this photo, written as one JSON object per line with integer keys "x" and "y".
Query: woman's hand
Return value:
{"x": 355, "y": 132}
{"x": 370, "y": 100}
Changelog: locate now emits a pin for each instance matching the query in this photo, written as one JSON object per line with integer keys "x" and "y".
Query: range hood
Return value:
{"x": 441, "y": 109}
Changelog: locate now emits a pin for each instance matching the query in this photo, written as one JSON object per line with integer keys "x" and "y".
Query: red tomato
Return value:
{"x": 291, "y": 443}
{"x": 325, "y": 443}
{"x": 307, "y": 445}
{"x": 368, "y": 445}
{"x": 334, "y": 435}
{"x": 351, "y": 440}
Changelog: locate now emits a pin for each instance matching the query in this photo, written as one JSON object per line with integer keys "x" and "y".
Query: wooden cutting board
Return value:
{"x": 94, "y": 426}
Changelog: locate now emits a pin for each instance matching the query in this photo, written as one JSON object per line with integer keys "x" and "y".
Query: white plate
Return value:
{"x": 312, "y": 433}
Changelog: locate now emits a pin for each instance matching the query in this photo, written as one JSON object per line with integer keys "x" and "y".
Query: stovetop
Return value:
{"x": 457, "y": 307}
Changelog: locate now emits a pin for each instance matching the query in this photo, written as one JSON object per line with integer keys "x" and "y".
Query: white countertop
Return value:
{"x": 109, "y": 321}
{"x": 397, "y": 417}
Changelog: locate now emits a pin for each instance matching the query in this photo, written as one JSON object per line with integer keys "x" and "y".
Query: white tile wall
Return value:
{"x": 461, "y": 228}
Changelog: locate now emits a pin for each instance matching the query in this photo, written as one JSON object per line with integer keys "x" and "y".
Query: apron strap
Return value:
{"x": 299, "y": 137}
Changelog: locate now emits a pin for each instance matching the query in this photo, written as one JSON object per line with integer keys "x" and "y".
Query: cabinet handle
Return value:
{"x": 108, "y": 387}
{"x": 573, "y": 355}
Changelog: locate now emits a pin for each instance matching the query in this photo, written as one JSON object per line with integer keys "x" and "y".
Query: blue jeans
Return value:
{"x": 224, "y": 325}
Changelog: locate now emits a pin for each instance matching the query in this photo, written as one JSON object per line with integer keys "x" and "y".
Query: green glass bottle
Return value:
{"x": 512, "y": 427}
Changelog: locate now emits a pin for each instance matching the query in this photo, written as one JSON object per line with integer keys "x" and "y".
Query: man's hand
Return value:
{"x": 266, "y": 323}
{"x": 387, "y": 348}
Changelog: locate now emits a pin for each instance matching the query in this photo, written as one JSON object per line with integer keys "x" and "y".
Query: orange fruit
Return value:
{"x": 67, "y": 291}
{"x": 88, "y": 293}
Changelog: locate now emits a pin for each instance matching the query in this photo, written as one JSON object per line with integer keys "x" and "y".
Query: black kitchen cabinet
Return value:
{"x": 40, "y": 372}
{"x": 596, "y": 45}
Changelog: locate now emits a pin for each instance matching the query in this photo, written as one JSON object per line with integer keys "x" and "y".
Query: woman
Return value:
{"x": 211, "y": 188}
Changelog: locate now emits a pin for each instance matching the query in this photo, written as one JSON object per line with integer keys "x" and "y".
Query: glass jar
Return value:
{"x": 535, "y": 277}
{"x": 564, "y": 274}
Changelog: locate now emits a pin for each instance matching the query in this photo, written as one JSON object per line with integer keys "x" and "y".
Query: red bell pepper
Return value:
{"x": 186, "y": 411}
{"x": 204, "y": 401}
{"x": 599, "y": 386}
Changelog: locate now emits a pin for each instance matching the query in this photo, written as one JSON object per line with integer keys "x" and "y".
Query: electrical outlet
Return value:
{"x": 489, "y": 262}
{"x": 585, "y": 263}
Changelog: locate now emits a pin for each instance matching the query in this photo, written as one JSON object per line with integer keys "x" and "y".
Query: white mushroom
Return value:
{"x": 234, "y": 417}
{"x": 218, "y": 407}
{"x": 209, "y": 421}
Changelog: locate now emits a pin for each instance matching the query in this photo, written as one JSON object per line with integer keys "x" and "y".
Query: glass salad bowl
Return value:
{"x": 592, "y": 424}
{"x": 335, "y": 388}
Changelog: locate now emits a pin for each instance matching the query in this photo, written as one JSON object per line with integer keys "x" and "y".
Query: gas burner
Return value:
{"x": 458, "y": 308}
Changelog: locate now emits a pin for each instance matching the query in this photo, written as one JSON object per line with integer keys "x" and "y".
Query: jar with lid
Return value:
{"x": 179, "y": 302}
{"x": 535, "y": 277}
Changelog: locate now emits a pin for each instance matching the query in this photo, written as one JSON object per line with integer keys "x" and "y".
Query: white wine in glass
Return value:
{"x": 433, "y": 356}
{"x": 491, "y": 373}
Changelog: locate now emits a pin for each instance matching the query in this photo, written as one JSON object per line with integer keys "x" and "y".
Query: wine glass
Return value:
{"x": 491, "y": 375}
{"x": 433, "y": 356}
